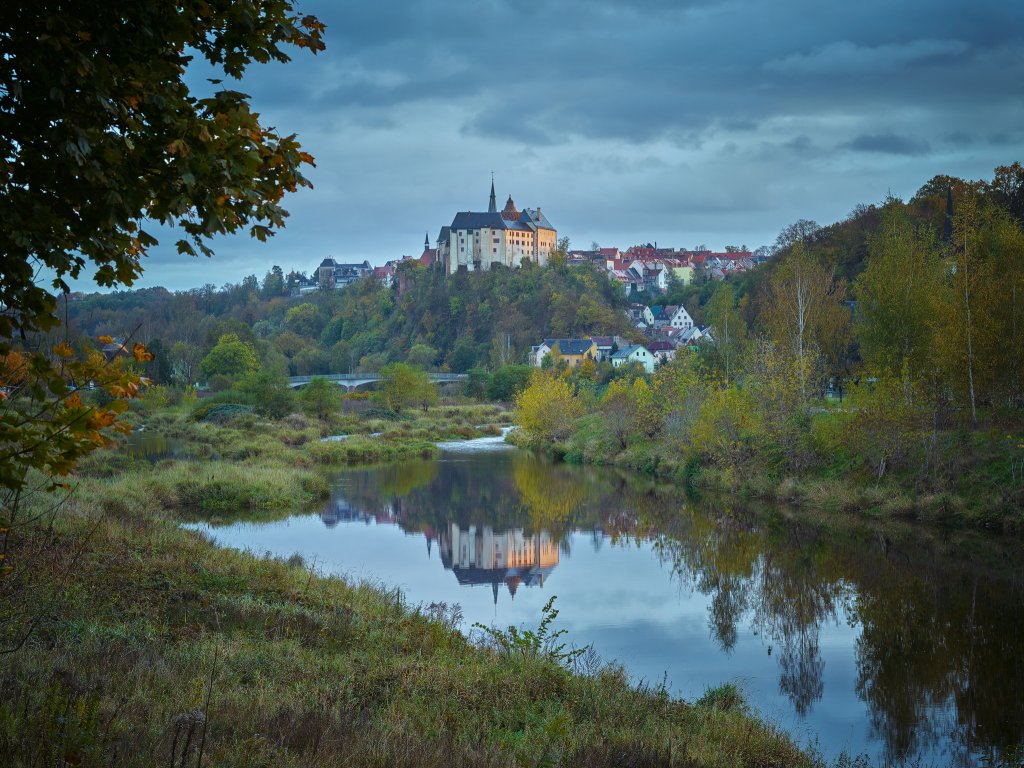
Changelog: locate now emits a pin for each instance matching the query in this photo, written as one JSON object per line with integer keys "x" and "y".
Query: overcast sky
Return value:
{"x": 685, "y": 122}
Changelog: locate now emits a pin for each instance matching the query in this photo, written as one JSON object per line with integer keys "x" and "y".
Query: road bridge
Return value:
{"x": 352, "y": 381}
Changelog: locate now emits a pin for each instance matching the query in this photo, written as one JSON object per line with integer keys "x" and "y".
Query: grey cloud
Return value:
{"x": 705, "y": 121}
{"x": 844, "y": 57}
{"x": 888, "y": 143}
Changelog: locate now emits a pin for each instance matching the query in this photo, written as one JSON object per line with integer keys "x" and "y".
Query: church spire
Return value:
{"x": 492, "y": 207}
{"x": 426, "y": 241}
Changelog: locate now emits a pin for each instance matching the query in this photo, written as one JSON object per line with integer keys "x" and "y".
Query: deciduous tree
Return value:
{"x": 321, "y": 398}
{"x": 402, "y": 386}
{"x": 547, "y": 409}
{"x": 230, "y": 357}
{"x": 896, "y": 296}
{"x": 804, "y": 315}
{"x": 100, "y": 135}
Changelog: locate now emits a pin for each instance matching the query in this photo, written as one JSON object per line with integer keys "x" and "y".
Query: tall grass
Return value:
{"x": 140, "y": 643}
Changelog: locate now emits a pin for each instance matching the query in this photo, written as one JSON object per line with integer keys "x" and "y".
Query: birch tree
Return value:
{"x": 804, "y": 315}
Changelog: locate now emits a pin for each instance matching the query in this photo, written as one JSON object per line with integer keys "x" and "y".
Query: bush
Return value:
{"x": 221, "y": 414}
{"x": 228, "y": 397}
{"x": 508, "y": 381}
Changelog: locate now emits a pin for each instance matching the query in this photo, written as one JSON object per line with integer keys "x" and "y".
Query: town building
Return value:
{"x": 634, "y": 354}
{"x": 572, "y": 351}
{"x": 332, "y": 275}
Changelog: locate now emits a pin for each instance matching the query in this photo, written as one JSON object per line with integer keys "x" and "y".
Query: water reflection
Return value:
{"x": 485, "y": 556}
{"x": 911, "y": 634}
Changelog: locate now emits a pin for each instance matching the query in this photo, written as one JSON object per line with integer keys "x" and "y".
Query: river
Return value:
{"x": 897, "y": 642}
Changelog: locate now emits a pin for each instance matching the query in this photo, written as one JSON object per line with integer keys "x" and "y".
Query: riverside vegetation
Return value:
{"x": 137, "y": 642}
{"x": 899, "y": 393}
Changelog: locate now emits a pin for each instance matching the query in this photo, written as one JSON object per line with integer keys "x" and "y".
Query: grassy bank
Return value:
{"x": 140, "y": 643}
{"x": 976, "y": 478}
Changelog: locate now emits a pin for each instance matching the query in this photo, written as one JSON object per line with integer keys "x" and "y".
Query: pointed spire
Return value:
{"x": 426, "y": 241}
{"x": 492, "y": 207}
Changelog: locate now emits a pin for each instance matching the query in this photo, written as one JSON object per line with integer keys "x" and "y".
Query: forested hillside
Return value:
{"x": 885, "y": 348}
{"x": 426, "y": 318}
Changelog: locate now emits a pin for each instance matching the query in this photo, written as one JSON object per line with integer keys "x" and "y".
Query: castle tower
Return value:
{"x": 509, "y": 212}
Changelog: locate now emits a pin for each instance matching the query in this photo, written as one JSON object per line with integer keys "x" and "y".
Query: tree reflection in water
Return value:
{"x": 938, "y": 658}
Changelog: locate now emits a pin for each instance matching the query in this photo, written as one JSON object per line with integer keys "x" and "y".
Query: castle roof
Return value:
{"x": 509, "y": 212}
{"x": 534, "y": 217}
{"x": 475, "y": 220}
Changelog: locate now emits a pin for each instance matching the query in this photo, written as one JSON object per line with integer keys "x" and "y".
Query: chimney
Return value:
{"x": 538, "y": 213}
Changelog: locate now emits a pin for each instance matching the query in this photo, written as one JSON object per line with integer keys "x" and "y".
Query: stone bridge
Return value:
{"x": 351, "y": 381}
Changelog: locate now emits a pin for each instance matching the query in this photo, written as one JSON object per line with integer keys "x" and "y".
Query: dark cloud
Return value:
{"x": 704, "y": 121}
{"x": 888, "y": 143}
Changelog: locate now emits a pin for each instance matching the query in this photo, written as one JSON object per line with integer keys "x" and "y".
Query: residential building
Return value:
{"x": 572, "y": 351}
{"x": 332, "y": 275}
{"x": 663, "y": 351}
{"x": 608, "y": 345}
{"x": 680, "y": 318}
{"x": 634, "y": 354}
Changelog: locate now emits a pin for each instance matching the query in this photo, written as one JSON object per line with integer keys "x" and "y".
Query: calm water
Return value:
{"x": 900, "y": 643}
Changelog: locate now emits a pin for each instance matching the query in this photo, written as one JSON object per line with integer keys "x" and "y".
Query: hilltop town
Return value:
{"x": 477, "y": 241}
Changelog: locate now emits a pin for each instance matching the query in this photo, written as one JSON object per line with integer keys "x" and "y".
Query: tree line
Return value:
{"x": 910, "y": 364}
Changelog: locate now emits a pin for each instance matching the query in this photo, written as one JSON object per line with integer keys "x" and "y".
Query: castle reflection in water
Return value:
{"x": 476, "y": 554}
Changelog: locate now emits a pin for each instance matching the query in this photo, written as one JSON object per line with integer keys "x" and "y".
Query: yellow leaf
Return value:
{"x": 141, "y": 353}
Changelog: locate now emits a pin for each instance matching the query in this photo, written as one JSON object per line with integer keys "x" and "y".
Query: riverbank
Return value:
{"x": 140, "y": 642}
{"x": 977, "y": 480}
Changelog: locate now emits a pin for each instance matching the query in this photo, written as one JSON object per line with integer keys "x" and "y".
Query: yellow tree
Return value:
{"x": 547, "y": 409}
{"x": 805, "y": 317}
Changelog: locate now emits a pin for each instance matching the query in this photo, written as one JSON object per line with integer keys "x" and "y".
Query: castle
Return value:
{"x": 477, "y": 240}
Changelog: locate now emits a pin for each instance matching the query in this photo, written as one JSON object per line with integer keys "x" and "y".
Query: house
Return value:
{"x": 663, "y": 351}
{"x": 689, "y": 337}
{"x": 658, "y": 316}
{"x": 332, "y": 275}
{"x": 572, "y": 351}
{"x": 655, "y": 280}
{"x": 634, "y": 354}
{"x": 682, "y": 272}
{"x": 385, "y": 275}
{"x": 680, "y": 318}
{"x": 607, "y": 345}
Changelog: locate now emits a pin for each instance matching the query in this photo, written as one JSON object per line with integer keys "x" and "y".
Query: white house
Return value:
{"x": 634, "y": 354}
{"x": 538, "y": 353}
{"x": 690, "y": 336}
{"x": 681, "y": 318}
